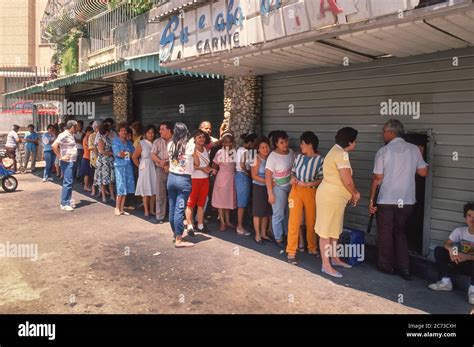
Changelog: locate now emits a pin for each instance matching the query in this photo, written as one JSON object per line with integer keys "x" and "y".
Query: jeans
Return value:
{"x": 28, "y": 154}
{"x": 49, "y": 157}
{"x": 179, "y": 188}
{"x": 66, "y": 193}
{"x": 443, "y": 261}
{"x": 280, "y": 211}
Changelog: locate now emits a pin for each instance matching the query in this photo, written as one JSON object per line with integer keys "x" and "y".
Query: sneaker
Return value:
{"x": 470, "y": 294}
{"x": 67, "y": 208}
{"x": 50, "y": 179}
{"x": 444, "y": 284}
{"x": 190, "y": 230}
{"x": 204, "y": 230}
{"x": 45, "y": 179}
{"x": 160, "y": 221}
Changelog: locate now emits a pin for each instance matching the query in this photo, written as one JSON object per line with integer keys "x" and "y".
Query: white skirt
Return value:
{"x": 146, "y": 184}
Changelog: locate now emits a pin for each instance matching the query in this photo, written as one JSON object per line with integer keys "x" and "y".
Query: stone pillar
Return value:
{"x": 123, "y": 98}
{"x": 243, "y": 105}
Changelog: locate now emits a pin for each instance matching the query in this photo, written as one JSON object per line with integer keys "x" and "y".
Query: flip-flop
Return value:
{"x": 260, "y": 242}
{"x": 184, "y": 244}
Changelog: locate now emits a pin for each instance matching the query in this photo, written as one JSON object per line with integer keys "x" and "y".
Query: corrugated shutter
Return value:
{"x": 103, "y": 106}
{"x": 203, "y": 99}
{"x": 325, "y": 100}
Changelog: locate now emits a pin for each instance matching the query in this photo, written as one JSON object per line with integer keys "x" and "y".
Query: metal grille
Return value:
{"x": 101, "y": 27}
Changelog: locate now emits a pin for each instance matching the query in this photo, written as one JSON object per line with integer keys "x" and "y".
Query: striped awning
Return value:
{"x": 148, "y": 63}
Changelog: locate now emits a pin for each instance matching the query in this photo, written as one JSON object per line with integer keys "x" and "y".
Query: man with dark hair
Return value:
{"x": 65, "y": 149}
{"x": 160, "y": 156}
{"x": 457, "y": 251}
{"x": 396, "y": 165}
{"x": 12, "y": 144}
{"x": 32, "y": 141}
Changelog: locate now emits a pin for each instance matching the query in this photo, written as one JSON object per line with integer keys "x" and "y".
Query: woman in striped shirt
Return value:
{"x": 306, "y": 176}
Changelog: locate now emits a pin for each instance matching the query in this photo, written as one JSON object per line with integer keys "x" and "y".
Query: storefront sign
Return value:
{"x": 227, "y": 24}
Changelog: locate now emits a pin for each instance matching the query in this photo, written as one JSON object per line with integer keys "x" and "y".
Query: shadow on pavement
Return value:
{"x": 363, "y": 277}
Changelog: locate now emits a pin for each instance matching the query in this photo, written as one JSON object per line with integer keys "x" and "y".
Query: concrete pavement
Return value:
{"x": 91, "y": 261}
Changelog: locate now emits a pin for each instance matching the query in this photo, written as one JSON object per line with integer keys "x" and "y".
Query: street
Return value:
{"x": 91, "y": 261}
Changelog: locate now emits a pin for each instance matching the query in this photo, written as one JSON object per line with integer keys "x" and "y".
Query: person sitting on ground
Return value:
{"x": 457, "y": 251}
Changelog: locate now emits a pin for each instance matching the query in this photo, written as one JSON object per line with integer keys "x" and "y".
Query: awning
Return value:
{"x": 148, "y": 63}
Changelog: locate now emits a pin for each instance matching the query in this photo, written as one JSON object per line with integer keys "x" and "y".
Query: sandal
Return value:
{"x": 292, "y": 261}
{"x": 242, "y": 233}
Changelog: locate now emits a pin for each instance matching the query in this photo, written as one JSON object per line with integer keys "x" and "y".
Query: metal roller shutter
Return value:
{"x": 327, "y": 99}
{"x": 203, "y": 99}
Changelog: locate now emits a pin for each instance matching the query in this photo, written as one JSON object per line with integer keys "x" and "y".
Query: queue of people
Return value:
{"x": 279, "y": 190}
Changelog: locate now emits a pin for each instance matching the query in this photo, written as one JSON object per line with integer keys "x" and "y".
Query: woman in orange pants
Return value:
{"x": 306, "y": 176}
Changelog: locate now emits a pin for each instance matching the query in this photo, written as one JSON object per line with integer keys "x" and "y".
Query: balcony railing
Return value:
{"x": 101, "y": 27}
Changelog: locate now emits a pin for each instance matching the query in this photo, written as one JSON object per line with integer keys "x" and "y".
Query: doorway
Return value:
{"x": 418, "y": 225}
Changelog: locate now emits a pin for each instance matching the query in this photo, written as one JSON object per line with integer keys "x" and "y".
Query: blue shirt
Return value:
{"x": 308, "y": 169}
{"x": 118, "y": 146}
{"x": 261, "y": 172}
{"x": 31, "y": 136}
{"x": 47, "y": 143}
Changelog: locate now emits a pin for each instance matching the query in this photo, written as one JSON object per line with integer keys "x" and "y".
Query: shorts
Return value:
{"x": 199, "y": 192}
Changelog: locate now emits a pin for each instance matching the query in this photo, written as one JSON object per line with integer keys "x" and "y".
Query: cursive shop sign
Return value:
{"x": 227, "y": 24}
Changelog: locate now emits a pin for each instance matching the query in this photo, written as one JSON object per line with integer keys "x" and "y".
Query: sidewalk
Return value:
{"x": 91, "y": 261}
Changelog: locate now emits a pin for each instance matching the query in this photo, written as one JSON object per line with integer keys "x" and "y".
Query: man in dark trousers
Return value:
{"x": 396, "y": 165}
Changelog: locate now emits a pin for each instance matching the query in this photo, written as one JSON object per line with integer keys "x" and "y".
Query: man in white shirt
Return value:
{"x": 396, "y": 165}
{"x": 66, "y": 150}
{"x": 160, "y": 156}
{"x": 458, "y": 251}
{"x": 12, "y": 144}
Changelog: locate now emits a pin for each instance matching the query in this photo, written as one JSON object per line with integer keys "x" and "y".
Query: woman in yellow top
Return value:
{"x": 333, "y": 194}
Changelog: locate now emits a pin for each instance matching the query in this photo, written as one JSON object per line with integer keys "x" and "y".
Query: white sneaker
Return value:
{"x": 470, "y": 294}
{"x": 67, "y": 208}
{"x": 444, "y": 284}
{"x": 45, "y": 179}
